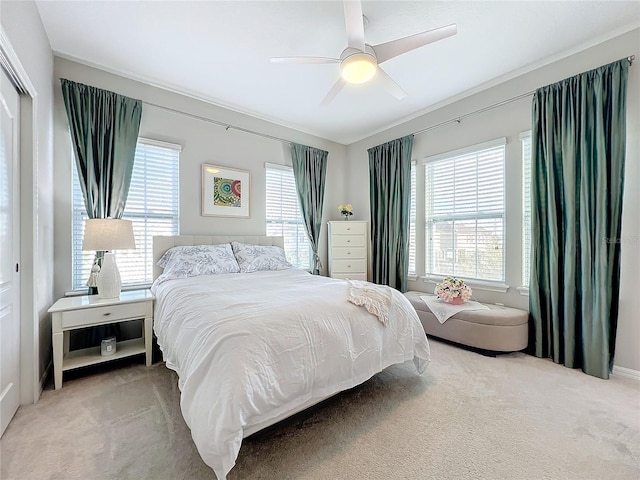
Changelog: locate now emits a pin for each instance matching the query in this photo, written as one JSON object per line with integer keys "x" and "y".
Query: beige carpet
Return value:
{"x": 468, "y": 417}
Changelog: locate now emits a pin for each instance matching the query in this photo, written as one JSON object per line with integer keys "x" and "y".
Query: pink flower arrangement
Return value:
{"x": 453, "y": 290}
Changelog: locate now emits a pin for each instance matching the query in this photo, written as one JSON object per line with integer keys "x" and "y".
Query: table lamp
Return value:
{"x": 107, "y": 234}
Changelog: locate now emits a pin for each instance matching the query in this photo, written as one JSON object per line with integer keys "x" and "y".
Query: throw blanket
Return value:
{"x": 375, "y": 298}
{"x": 443, "y": 310}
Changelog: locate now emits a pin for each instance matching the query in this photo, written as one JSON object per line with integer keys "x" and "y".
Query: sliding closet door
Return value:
{"x": 9, "y": 254}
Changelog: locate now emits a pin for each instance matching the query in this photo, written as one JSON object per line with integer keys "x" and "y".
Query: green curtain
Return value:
{"x": 310, "y": 171}
{"x": 104, "y": 127}
{"x": 578, "y": 155}
{"x": 390, "y": 199}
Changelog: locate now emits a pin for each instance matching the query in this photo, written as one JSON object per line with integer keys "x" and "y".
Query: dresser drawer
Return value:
{"x": 110, "y": 314}
{"x": 348, "y": 252}
{"x": 348, "y": 228}
{"x": 347, "y": 240}
{"x": 349, "y": 266}
{"x": 350, "y": 276}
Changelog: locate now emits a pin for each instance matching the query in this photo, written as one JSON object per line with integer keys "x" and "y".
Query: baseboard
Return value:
{"x": 626, "y": 373}
{"x": 45, "y": 377}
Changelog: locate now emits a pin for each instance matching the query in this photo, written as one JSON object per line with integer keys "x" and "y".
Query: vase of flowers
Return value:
{"x": 346, "y": 210}
{"x": 453, "y": 290}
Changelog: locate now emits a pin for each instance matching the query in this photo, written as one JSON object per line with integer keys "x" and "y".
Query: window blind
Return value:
{"x": 152, "y": 206}
{"x": 525, "y": 139}
{"x": 284, "y": 216}
{"x": 464, "y": 213}
{"x": 412, "y": 222}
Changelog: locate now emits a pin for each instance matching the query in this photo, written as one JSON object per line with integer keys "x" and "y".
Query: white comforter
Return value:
{"x": 249, "y": 348}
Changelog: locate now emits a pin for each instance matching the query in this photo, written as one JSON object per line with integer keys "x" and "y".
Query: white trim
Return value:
{"x": 476, "y": 284}
{"x": 287, "y": 168}
{"x": 412, "y": 277}
{"x": 524, "y": 135}
{"x": 626, "y": 373}
{"x": 523, "y": 291}
{"x": 478, "y": 147}
{"x": 12, "y": 63}
{"x": 158, "y": 143}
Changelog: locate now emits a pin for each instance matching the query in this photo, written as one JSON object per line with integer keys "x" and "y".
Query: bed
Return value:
{"x": 256, "y": 346}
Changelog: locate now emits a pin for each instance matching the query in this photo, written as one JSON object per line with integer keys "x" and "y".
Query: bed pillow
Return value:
{"x": 194, "y": 260}
{"x": 259, "y": 258}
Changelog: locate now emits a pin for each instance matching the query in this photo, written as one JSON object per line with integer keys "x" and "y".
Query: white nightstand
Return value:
{"x": 71, "y": 313}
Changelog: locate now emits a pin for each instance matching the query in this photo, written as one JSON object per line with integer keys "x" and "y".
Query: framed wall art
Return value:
{"x": 225, "y": 191}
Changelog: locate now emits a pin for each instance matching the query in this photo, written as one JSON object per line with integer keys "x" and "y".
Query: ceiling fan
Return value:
{"x": 360, "y": 62}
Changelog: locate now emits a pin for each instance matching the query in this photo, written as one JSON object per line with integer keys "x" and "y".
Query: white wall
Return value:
{"x": 202, "y": 142}
{"x": 22, "y": 25}
{"x": 509, "y": 120}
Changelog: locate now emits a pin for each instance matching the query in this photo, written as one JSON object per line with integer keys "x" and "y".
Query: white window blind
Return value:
{"x": 284, "y": 217}
{"x": 464, "y": 213}
{"x": 525, "y": 138}
{"x": 412, "y": 222}
{"x": 152, "y": 206}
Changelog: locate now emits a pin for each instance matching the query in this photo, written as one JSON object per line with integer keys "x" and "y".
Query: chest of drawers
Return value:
{"x": 348, "y": 246}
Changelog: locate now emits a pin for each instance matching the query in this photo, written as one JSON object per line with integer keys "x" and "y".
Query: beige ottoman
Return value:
{"x": 499, "y": 329}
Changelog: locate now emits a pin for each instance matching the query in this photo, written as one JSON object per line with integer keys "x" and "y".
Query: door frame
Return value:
{"x": 30, "y": 382}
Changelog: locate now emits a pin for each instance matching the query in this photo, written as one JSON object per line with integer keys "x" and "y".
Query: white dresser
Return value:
{"x": 348, "y": 246}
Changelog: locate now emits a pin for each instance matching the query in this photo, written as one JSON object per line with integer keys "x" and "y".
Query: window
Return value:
{"x": 464, "y": 213}
{"x": 412, "y": 222}
{"x": 525, "y": 139}
{"x": 152, "y": 206}
{"x": 284, "y": 217}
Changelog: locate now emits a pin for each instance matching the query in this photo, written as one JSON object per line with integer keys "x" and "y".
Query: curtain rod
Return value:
{"x": 226, "y": 126}
{"x": 458, "y": 119}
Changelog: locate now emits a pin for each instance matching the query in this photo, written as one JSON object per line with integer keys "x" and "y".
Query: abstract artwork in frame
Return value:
{"x": 225, "y": 191}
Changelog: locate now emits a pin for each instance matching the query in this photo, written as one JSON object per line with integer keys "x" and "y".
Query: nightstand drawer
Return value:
{"x": 349, "y": 266}
{"x": 349, "y": 252}
{"x": 110, "y": 313}
{"x": 348, "y": 228}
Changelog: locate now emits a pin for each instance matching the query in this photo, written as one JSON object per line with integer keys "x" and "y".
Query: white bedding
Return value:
{"x": 252, "y": 347}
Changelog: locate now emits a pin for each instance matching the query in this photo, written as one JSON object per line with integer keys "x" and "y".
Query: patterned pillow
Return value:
{"x": 191, "y": 261}
{"x": 259, "y": 258}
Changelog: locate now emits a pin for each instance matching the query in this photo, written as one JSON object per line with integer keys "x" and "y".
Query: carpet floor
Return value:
{"x": 467, "y": 417}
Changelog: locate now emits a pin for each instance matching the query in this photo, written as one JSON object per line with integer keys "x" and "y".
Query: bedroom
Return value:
{"x": 45, "y": 200}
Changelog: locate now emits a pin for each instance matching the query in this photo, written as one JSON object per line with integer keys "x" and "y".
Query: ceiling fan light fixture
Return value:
{"x": 358, "y": 68}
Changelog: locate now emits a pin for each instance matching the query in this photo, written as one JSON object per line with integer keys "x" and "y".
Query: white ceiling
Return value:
{"x": 219, "y": 51}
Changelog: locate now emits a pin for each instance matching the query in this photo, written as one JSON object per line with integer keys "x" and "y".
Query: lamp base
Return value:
{"x": 109, "y": 282}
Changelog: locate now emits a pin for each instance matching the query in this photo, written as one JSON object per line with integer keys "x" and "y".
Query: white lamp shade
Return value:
{"x": 108, "y": 234}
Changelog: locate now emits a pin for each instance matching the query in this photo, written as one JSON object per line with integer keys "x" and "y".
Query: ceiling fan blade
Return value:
{"x": 313, "y": 60}
{"x": 354, "y": 23}
{"x": 390, "y": 85}
{"x": 386, "y": 51}
{"x": 333, "y": 92}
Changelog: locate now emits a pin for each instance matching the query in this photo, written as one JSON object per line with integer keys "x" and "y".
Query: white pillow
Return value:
{"x": 258, "y": 258}
{"x": 194, "y": 260}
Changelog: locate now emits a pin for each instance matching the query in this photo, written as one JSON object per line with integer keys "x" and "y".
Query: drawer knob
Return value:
{"x": 107, "y": 314}
{"x": 348, "y": 253}
{"x": 348, "y": 228}
{"x": 348, "y": 266}
{"x": 348, "y": 241}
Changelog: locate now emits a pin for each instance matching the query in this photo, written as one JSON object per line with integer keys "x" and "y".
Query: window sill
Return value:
{"x": 127, "y": 288}
{"x": 412, "y": 277}
{"x": 475, "y": 284}
{"x": 523, "y": 291}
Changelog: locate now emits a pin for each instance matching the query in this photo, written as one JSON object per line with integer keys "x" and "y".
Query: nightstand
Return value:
{"x": 71, "y": 313}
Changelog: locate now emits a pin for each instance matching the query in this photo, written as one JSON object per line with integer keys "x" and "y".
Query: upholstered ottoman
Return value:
{"x": 499, "y": 329}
